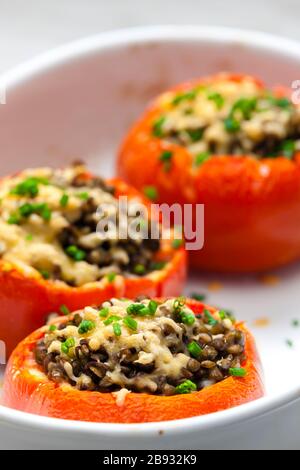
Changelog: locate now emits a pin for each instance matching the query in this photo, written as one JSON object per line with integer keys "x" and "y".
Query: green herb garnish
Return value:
{"x": 217, "y": 98}
{"x": 199, "y": 297}
{"x": 237, "y": 372}
{"x": 195, "y": 134}
{"x": 151, "y": 193}
{"x": 103, "y": 313}
{"x": 117, "y": 329}
{"x": 45, "y": 274}
{"x": 52, "y": 328}
{"x": 64, "y": 200}
{"x": 231, "y": 124}
{"x": 111, "y": 277}
{"x": 111, "y": 319}
{"x": 130, "y": 322}
{"x": 64, "y": 310}
{"x": 86, "y": 326}
{"x": 84, "y": 196}
{"x": 157, "y": 126}
{"x": 166, "y": 158}
{"x": 14, "y": 220}
{"x": 186, "y": 387}
{"x": 210, "y": 319}
{"x": 76, "y": 253}
{"x": 187, "y": 96}
{"x": 201, "y": 158}
{"x": 176, "y": 244}
{"x": 139, "y": 269}
{"x": 288, "y": 148}
{"x": 246, "y": 106}
{"x": 194, "y": 349}
{"x": 29, "y": 187}
{"x": 42, "y": 209}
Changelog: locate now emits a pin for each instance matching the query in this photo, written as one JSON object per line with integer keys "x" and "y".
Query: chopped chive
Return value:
{"x": 231, "y": 124}
{"x": 210, "y": 319}
{"x": 202, "y": 158}
{"x": 85, "y": 326}
{"x": 76, "y": 253}
{"x": 295, "y": 323}
{"x": 84, "y": 196}
{"x": 14, "y": 220}
{"x": 130, "y": 322}
{"x": 45, "y": 274}
{"x": 117, "y": 329}
{"x": 158, "y": 265}
{"x": 166, "y": 158}
{"x": 246, "y": 106}
{"x": 29, "y": 237}
{"x": 227, "y": 314}
{"x": 195, "y": 134}
{"x": 187, "y": 96}
{"x": 134, "y": 309}
{"x": 29, "y": 187}
{"x": 103, "y": 313}
{"x": 194, "y": 349}
{"x": 187, "y": 318}
{"x": 64, "y": 348}
{"x": 139, "y": 269}
{"x": 217, "y": 98}
{"x": 179, "y": 303}
{"x": 52, "y": 328}
{"x": 27, "y": 209}
{"x": 64, "y": 310}
{"x": 152, "y": 306}
{"x": 177, "y": 244}
{"x": 283, "y": 102}
{"x": 64, "y": 200}
{"x": 288, "y": 148}
{"x": 199, "y": 297}
{"x": 237, "y": 372}
{"x": 289, "y": 343}
{"x": 151, "y": 192}
{"x": 70, "y": 343}
{"x": 157, "y": 126}
{"x": 186, "y": 387}
{"x": 111, "y": 319}
{"x": 111, "y": 277}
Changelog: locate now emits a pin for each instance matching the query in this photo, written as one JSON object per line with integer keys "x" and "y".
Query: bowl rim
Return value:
{"x": 119, "y": 39}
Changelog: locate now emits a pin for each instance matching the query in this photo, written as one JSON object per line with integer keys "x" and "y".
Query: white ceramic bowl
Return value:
{"x": 77, "y": 102}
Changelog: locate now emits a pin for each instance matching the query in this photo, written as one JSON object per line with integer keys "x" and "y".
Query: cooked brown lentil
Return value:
{"x": 224, "y": 117}
{"x": 160, "y": 348}
{"x": 48, "y": 221}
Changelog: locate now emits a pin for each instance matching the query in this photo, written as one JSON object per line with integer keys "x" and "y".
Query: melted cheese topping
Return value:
{"x": 202, "y": 119}
{"x": 31, "y": 242}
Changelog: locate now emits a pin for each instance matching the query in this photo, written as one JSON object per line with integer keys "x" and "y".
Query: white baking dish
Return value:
{"x": 77, "y": 102}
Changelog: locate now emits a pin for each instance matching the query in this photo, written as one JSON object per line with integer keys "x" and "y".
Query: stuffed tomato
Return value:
{"x": 233, "y": 145}
{"x": 52, "y": 258}
{"x": 135, "y": 361}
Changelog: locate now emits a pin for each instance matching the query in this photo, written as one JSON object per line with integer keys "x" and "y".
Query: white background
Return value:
{"x": 28, "y": 27}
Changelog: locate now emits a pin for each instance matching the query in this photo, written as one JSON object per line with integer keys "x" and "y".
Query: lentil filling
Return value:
{"x": 142, "y": 346}
{"x": 227, "y": 117}
{"x": 48, "y": 221}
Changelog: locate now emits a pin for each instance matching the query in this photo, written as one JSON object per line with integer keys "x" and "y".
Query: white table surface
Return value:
{"x": 28, "y": 27}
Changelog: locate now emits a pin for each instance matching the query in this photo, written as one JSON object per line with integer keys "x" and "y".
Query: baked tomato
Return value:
{"x": 233, "y": 145}
{"x": 52, "y": 259}
{"x": 134, "y": 362}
